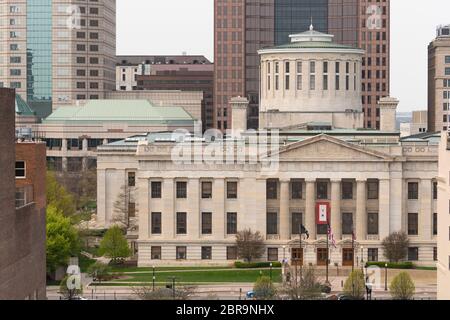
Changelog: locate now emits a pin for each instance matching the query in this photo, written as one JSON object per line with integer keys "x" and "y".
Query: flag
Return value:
{"x": 304, "y": 231}
{"x": 331, "y": 237}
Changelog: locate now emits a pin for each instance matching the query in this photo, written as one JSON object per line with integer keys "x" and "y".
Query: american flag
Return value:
{"x": 331, "y": 237}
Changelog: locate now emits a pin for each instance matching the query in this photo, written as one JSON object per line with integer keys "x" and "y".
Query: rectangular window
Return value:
{"x": 272, "y": 189}
{"x": 435, "y": 190}
{"x": 131, "y": 209}
{"x": 435, "y": 224}
{"x": 232, "y": 253}
{"x": 156, "y": 189}
{"x": 181, "y": 223}
{"x": 372, "y": 223}
{"x": 297, "y": 221}
{"x": 338, "y": 80}
{"x": 322, "y": 229}
{"x": 206, "y": 253}
{"x": 347, "y": 223}
{"x": 272, "y": 223}
{"x": 435, "y": 254}
{"x": 322, "y": 190}
{"x": 312, "y": 75}
{"x": 372, "y": 190}
{"x": 413, "y": 191}
{"x": 413, "y": 254}
{"x": 232, "y": 190}
{"x": 206, "y": 190}
{"x": 181, "y": 253}
{"x": 347, "y": 190}
{"x": 156, "y": 253}
{"x": 20, "y": 170}
{"x": 131, "y": 179}
{"x": 206, "y": 223}
{"x": 413, "y": 224}
{"x": 296, "y": 190}
{"x": 156, "y": 223}
{"x": 231, "y": 223}
{"x": 372, "y": 254}
{"x": 272, "y": 254}
{"x": 299, "y": 76}
{"x": 181, "y": 190}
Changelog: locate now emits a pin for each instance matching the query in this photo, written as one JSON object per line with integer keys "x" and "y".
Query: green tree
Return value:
{"x": 395, "y": 246}
{"x": 100, "y": 271}
{"x": 402, "y": 287}
{"x": 250, "y": 245}
{"x": 58, "y": 196}
{"x": 62, "y": 239}
{"x": 264, "y": 289}
{"x": 355, "y": 285}
{"x": 114, "y": 245}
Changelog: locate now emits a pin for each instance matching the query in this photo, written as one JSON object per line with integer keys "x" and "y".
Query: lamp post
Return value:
{"x": 386, "y": 277}
{"x": 362, "y": 259}
{"x": 271, "y": 271}
{"x": 153, "y": 281}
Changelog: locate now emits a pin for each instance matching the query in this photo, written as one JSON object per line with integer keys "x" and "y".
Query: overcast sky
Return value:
{"x": 177, "y": 26}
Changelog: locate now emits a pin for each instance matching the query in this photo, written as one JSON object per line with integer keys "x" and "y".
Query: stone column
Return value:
{"x": 101, "y": 197}
{"x": 336, "y": 220}
{"x": 425, "y": 214}
{"x": 64, "y": 164}
{"x": 64, "y": 145}
{"x": 144, "y": 212}
{"x": 193, "y": 202}
{"x": 361, "y": 210}
{"x": 85, "y": 144}
{"x": 105, "y": 141}
{"x": 169, "y": 214}
{"x": 396, "y": 199}
{"x": 218, "y": 198}
{"x": 384, "y": 208}
{"x": 284, "y": 210}
{"x": 310, "y": 204}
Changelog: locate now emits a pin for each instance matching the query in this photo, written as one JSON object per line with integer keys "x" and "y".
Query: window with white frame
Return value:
{"x": 20, "y": 169}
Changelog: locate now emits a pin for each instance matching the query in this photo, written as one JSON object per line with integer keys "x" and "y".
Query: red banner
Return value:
{"x": 323, "y": 213}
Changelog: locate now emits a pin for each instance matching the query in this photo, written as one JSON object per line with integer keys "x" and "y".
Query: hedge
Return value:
{"x": 256, "y": 265}
{"x": 392, "y": 265}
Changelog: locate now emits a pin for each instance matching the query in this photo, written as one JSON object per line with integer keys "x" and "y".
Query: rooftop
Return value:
{"x": 22, "y": 108}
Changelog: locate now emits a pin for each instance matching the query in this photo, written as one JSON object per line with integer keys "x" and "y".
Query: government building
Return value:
{"x": 193, "y": 194}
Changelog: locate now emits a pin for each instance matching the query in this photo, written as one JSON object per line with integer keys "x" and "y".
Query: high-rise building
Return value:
{"x": 243, "y": 27}
{"x": 54, "y": 52}
{"x": 439, "y": 81}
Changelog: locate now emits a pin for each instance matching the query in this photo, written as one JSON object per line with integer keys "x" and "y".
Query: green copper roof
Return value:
{"x": 140, "y": 111}
{"x": 22, "y": 108}
{"x": 312, "y": 45}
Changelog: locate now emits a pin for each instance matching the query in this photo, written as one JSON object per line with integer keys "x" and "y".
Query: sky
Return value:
{"x": 175, "y": 26}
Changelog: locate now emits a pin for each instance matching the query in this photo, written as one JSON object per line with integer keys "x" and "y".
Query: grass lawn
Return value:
{"x": 205, "y": 276}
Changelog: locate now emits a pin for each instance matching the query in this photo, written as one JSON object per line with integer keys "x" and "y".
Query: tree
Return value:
{"x": 402, "y": 287}
{"x": 308, "y": 288}
{"x": 250, "y": 245}
{"x": 125, "y": 208}
{"x": 147, "y": 293}
{"x": 264, "y": 289}
{"x": 100, "y": 271}
{"x": 395, "y": 246}
{"x": 355, "y": 285}
{"x": 87, "y": 189}
{"x": 58, "y": 196}
{"x": 62, "y": 239}
{"x": 68, "y": 294}
{"x": 114, "y": 245}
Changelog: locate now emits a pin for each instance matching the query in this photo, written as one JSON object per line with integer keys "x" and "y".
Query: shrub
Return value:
{"x": 392, "y": 265}
{"x": 264, "y": 289}
{"x": 256, "y": 265}
{"x": 402, "y": 287}
{"x": 395, "y": 246}
{"x": 355, "y": 286}
{"x": 100, "y": 272}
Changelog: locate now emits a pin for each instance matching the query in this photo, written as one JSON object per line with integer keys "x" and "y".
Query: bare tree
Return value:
{"x": 250, "y": 245}
{"x": 308, "y": 288}
{"x": 125, "y": 207}
{"x": 396, "y": 246}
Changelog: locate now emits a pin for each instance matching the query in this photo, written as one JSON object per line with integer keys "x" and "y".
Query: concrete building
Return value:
{"x": 443, "y": 264}
{"x": 417, "y": 125}
{"x": 56, "y": 52}
{"x": 439, "y": 81}
{"x": 22, "y": 227}
{"x": 243, "y": 27}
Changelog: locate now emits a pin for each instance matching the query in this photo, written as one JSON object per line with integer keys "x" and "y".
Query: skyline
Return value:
{"x": 410, "y": 34}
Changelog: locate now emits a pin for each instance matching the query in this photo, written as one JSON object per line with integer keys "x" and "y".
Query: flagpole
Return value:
{"x": 301, "y": 253}
{"x": 353, "y": 250}
{"x": 328, "y": 250}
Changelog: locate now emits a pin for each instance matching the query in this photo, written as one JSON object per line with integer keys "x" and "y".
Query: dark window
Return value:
{"x": 272, "y": 223}
{"x": 232, "y": 253}
{"x": 206, "y": 223}
{"x": 297, "y": 221}
{"x": 131, "y": 209}
{"x": 372, "y": 190}
{"x": 156, "y": 253}
{"x": 272, "y": 189}
{"x": 435, "y": 254}
{"x": 232, "y": 190}
{"x": 435, "y": 224}
{"x": 181, "y": 223}
{"x": 181, "y": 190}
{"x": 156, "y": 222}
{"x": 322, "y": 190}
{"x": 347, "y": 190}
{"x": 131, "y": 179}
{"x": 181, "y": 253}
{"x": 156, "y": 190}
{"x": 322, "y": 229}
{"x": 296, "y": 190}
{"x": 435, "y": 190}
{"x": 206, "y": 190}
{"x": 347, "y": 223}
{"x": 413, "y": 190}
{"x": 20, "y": 169}
{"x": 231, "y": 223}
{"x": 413, "y": 254}
{"x": 413, "y": 224}
{"x": 372, "y": 224}
{"x": 372, "y": 254}
{"x": 206, "y": 253}
{"x": 272, "y": 254}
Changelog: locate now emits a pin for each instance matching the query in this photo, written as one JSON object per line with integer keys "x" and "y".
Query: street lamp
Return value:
{"x": 362, "y": 259}
{"x": 271, "y": 271}
{"x": 386, "y": 277}
{"x": 153, "y": 278}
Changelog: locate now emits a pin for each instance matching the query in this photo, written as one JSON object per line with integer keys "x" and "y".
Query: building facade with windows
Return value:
{"x": 55, "y": 52}
{"x": 439, "y": 81}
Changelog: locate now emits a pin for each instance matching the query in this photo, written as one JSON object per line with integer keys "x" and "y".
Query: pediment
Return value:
{"x": 327, "y": 148}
